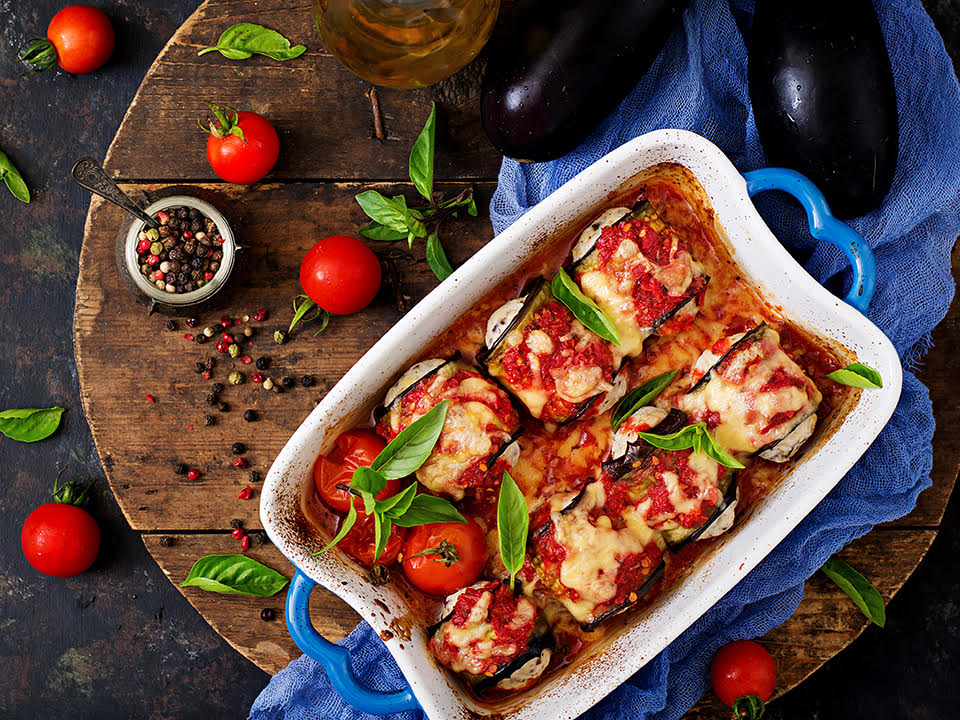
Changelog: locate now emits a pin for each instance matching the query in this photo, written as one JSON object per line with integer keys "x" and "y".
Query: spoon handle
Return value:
{"x": 88, "y": 174}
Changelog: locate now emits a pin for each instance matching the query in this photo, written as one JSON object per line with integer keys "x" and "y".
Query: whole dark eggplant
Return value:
{"x": 559, "y": 67}
{"x": 823, "y": 97}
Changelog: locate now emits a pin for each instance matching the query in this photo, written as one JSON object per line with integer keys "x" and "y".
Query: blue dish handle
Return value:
{"x": 335, "y": 659}
{"x": 823, "y": 226}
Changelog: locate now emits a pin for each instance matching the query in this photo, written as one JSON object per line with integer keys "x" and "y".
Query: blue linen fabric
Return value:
{"x": 699, "y": 83}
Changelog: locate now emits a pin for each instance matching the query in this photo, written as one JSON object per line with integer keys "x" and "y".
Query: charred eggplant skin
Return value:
{"x": 561, "y": 66}
{"x": 824, "y": 99}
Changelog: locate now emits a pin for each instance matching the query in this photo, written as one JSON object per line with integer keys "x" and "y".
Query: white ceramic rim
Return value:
{"x": 765, "y": 263}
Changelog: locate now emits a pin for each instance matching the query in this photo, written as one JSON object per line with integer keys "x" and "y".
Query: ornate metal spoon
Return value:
{"x": 88, "y": 174}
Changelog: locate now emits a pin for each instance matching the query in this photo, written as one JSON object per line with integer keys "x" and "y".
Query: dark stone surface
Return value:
{"x": 120, "y": 641}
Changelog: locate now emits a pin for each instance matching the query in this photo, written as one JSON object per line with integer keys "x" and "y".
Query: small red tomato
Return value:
{"x": 353, "y": 449}
{"x": 80, "y": 39}
{"x": 61, "y": 538}
{"x": 340, "y": 274}
{"x": 242, "y": 147}
{"x": 460, "y": 552}
{"x": 358, "y": 543}
{"x": 741, "y": 671}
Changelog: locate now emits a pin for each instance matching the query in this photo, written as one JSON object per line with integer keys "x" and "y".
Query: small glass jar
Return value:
{"x": 147, "y": 292}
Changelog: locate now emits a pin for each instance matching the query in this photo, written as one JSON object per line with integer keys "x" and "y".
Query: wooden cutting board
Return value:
{"x": 329, "y": 153}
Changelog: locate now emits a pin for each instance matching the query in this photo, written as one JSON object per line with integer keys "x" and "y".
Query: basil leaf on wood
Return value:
{"x": 391, "y": 212}
{"x": 426, "y": 509}
{"x": 861, "y": 591}
{"x": 234, "y": 575}
{"x": 241, "y": 41}
{"x": 345, "y": 526}
{"x": 421, "y": 157}
{"x": 513, "y": 522}
{"x": 857, "y": 375}
{"x": 382, "y": 233}
{"x": 583, "y": 308}
{"x": 437, "y": 258}
{"x": 411, "y": 448}
{"x": 643, "y": 395}
{"x": 696, "y": 438}
{"x": 14, "y": 181}
{"x": 30, "y": 424}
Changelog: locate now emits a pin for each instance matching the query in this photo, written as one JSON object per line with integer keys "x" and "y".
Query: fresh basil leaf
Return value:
{"x": 411, "y": 448}
{"x": 513, "y": 523}
{"x": 367, "y": 480}
{"x": 437, "y": 258}
{"x": 583, "y": 308}
{"x": 382, "y": 233}
{"x": 421, "y": 156}
{"x": 857, "y": 375}
{"x": 682, "y": 439}
{"x": 382, "y": 525}
{"x": 861, "y": 591}
{"x": 643, "y": 395}
{"x": 234, "y": 575}
{"x": 300, "y": 311}
{"x": 398, "y": 504}
{"x": 30, "y": 424}
{"x": 240, "y": 41}
{"x": 391, "y": 212}
{"x": 711, "y": 448}
{"x": 696, "y": 438}
{"x": 472, "y": 207}
{"x": 426, "y": 509}
{"x": 348, "y": 522}
{"x": 14, "y": 181}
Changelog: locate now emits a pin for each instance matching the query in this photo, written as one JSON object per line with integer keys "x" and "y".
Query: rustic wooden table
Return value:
{"x": 80, "y": 670}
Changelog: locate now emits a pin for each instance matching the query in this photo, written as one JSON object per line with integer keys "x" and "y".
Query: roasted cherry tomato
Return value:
{"x": 80, "y": 39}
{"x": 358, "y": 542}
{"x": 441, "y": 558}
{"x": 61, "y": 538}
{"x": 242, "y": 147}
{"x": 353, "y": 449}
{"x": 743, "y": 676}
{"x": 340, "y": 274}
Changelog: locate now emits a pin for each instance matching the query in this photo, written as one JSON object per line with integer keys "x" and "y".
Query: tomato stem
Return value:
{"x": 70, "y": 493}
{"x": 446, "y": 552}
{"x": 225, "y": 125}
{"x": 748, "y": 707}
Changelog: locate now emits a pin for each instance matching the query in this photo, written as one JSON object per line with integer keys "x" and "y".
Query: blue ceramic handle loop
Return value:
{"x": 823, "y": 226}
{"x": 335, "y": 659}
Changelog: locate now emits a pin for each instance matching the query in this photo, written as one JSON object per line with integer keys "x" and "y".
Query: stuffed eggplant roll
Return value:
{"x": 683, "y": 495}
{"x": 752, "y": 396}
{"x": 597, "y": 564}
{"x": 492, "y": 637}
{"x": 548, "y": 359}
{"x": 478, "y": 440}
{"x": 640, "y": 273}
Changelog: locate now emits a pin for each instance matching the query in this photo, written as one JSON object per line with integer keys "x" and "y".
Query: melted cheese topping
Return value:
{"x": 685, "y": 499}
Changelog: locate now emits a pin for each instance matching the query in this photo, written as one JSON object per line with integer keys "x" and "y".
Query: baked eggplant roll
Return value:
{"x": 640, "y": 273}
{"x": 479, "y": 437}
{"x": 595, "y": 563}
{"x": 492, "y": 637}
{"x": 752, "y": 396}
{"x": 549, "y": 360}
{"x": 684, "y": 496}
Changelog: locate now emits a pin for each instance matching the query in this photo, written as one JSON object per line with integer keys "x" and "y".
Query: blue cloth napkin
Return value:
{"x": 699, "y": 82}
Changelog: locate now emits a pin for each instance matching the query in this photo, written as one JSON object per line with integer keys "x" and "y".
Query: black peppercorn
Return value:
{"x": 236, "y": 523}
{"x": 263, "y": 363}
{"x": 208, "y": 420}
{"x": 201, "y": 339}
{"x": 267, "y": 614}
{"x": 288, "y": 382}
{"x": 179, "y": 468}
{"x": 249, "y": 415}
{"x": 260, "y": 537}
{"x": 238, "y": 448}
{"x": 209, "y": 363}
{"x": 171, "y": 325}
{"x": 254, "y": 476}
{"x": 198, "y": 367}
{"x": 217, "y": 387}
{"x": 307, "y": 381}
{"x": 166, "y": 541}
{"x": 212, "y": 399}
{"x": 222, "y": 406}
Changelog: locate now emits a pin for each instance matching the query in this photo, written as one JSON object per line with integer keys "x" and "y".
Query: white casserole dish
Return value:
{"x": 767, "y": 265}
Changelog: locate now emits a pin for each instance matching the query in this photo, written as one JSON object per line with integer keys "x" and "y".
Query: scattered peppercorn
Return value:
{"x": 201, "y": 339}
{"x": 210, "y": 363}
{"x": 238, "y": 533}
{"x": 171, "y": 324}
{"x": 223, "y": 407}
{"x": 191, "y": 322}
{"x": 246, "y": 493}
{"x": 246, "y": 359}
{"x": 267, "y": 614}
{"x": 260, "y": 537}
{"x": 249, "y": 415}
{"x": 240, "y": 463}
{"x": 208, "y": 420}
{"x": 188, "y": 337}
{"x": 199, "y": 367}
{"x": 307, "y": 381}
{"x": 179, "y": 468}
{"x": 212, "y": 399}
{"x": 228, "y": 338}
{"x": 235, "y": 378}
{"x": 151, "y": 398}
{"x": 256, "y": 377}
{"x": 206, "y": 374}
{"x": 238, "y": 448}
{"x": 234, "y": 350}
{"x": 268, "y": 384}
{"x": 193, "y": 475}
{"x": 245, "y": 318}
{"x": 236, "y": 523}
{"x": 245, "y": 543}
{"x": 254, "y": 476}
{"x": 208, "y": 331}
{"x": 280, "y": 336}
{"x": 260, "y": 315}
{"x": 248, "y": 332}
{"x": 263, "y": 363}
{"x": 166, "y": 541}
{"x": 226, "y": 321}
{"x": 288, "y": 382}
{"x": 222, "y": 346}
{"x": 217, "y": 387}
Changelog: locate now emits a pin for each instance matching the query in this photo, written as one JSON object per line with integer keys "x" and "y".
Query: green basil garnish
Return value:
{"x": 30, "y": 424}
{"x": 583, "y": 308}
{"x": 437, "y": 258}
{"x": 300, "y": 311}
{"x": 13, "y": 179}
{"x": 861, "y": 591}
{"x": 382, "y": 525}
{"x": 421, "y": 157}
{"x": 643, "y": 395}
{"x": 513, "y": 523}
{"x": 410, "y": 449}
{"x": 377, "y": 231}
{"x": 241, "y": 41}
{"x": 857, "y": 375}
{"x": 389, "y": 212}
{"x": 697, "y": 438}
{"x": 345, "y": 527}
{"x": 426, "y": 509}
{"x": 234, "y": 575}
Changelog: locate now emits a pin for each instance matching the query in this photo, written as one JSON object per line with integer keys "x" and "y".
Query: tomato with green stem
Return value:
{"x": 441, "y": 558}
{"x": 340, "y": 275}
{"x": 242, "y": 147}
{"x": 743, "y": 675}
{"x": 80, "y": 39}
{"x": 332, "y": 472}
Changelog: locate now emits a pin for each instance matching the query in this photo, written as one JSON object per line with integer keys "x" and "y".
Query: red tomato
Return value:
{"x": 430, "y": 572}
{"x": 358, "y": 542}
{"x": 741, "y": 669}
{"x": 241, "y": 160}
{"x": 60, "y": 540}
{"x": 340, "y": 274}
{"x": 83, "y": 37}
{"x": 353, "y": 449}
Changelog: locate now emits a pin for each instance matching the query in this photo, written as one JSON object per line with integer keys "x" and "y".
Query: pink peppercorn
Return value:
{"x": 193, "y": 474}
{"x": 256, "y": 377}
{"x": 238, "y": 533}
{"x": 150, "y": 398}
{"x": 246, "y": 493}
{"x": 206, "y": 374}
{"x": 188, "y": 337}
{"x": 187, "y": 235}
{"x": 223, "y": 346}
{"x": 163, "y": 218}
{"x": 152, "y": 259}
{"x": 260, "y": 315}
{"x": 245, "y": 542}
{"x": 143, "y": 246}
{"x": 240, "y": 463}
{"x": 158, "y": 275}
{"x": 246, "y": 359}
{"x": 226, "y": 321}
{"x": 208, "y": 275}
{"x": 228, "y": 338}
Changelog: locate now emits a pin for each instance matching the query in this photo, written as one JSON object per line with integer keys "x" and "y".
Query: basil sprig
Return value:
{"x": 401, "y": 457}
{"x": 513, "y": 523}
{"x": 13, "y": 179}
{"x": 861, "y": 591}
{"x": 234, "y": 575}
{"x": 241, "y": 41}
{"x": 643, "y": 395}
{"x": 30, "y": 424}
{"x": 857, "y": 375}
{"x": 583, "y": 308}
{"x": 393, "y": 220}
{"x": 697, "y": 438}
{"x": 302, "y": 305}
